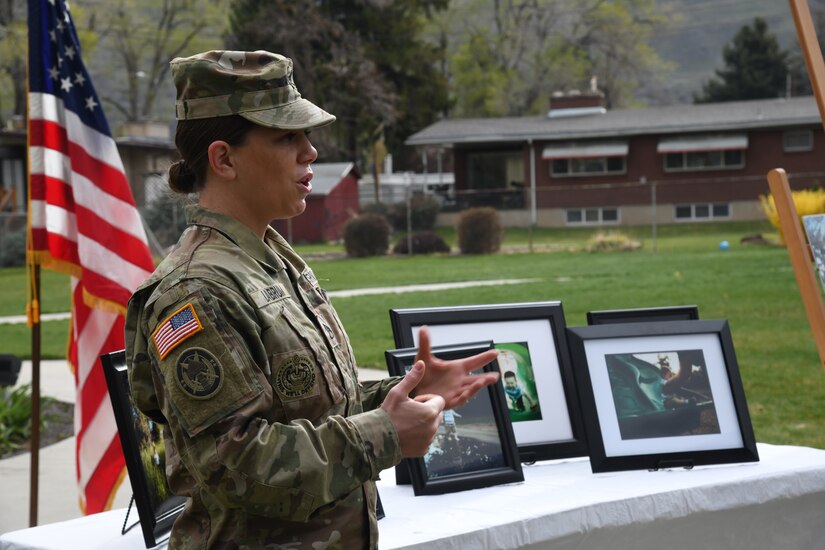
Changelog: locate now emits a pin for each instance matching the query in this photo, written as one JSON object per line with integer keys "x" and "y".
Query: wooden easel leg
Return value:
{"x": 800, "y": 257}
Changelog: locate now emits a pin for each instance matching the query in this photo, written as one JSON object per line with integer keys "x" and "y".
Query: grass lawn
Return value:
{"x": 750, "y": 285}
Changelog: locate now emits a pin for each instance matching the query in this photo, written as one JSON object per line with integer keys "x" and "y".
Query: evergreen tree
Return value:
{"x": 755, "y": 67}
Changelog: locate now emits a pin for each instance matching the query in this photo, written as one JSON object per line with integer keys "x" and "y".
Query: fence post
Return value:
{"x": 653, "y": 213}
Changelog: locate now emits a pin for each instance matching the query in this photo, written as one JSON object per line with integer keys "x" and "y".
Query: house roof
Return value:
{"x": 673, "y": 119}
{"x": 327, "y": 175}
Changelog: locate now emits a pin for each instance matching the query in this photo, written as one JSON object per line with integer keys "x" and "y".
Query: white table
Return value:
{"x": 777, "y": 503}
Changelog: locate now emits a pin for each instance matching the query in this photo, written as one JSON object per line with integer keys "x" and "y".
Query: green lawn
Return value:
{"x": 752, "y": 286}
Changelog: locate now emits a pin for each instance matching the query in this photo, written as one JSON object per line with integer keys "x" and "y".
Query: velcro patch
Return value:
{"x": 179, "y": 326}
{"x": 296, "y": 377}
{"x": 199, "y": 373}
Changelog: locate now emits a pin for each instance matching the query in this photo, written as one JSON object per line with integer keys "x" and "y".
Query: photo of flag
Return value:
{"x": 82, "y": 221}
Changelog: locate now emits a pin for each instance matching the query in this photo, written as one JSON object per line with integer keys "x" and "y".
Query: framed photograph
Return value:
{"x": 143, "y": 449}
{"x": 815, "y": 231}
{"x": 641, "y": 315}
{"x": 534, "y": 361}
{"x": 659, "y": 395}
{"x": 474, "y": 446}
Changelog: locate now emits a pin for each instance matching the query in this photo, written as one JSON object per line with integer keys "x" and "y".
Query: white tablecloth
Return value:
{"x": 777, "y": 503}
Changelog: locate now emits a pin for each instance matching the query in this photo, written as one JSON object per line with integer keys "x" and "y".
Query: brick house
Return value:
{"x": 581, "y": 164}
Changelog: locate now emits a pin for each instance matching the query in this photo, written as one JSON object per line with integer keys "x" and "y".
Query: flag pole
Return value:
{"x": 35, "y": 436}
{"x": 33, "y": 316}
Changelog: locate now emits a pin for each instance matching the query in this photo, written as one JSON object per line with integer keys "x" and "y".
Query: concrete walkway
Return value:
{"x": 58, "y": 494}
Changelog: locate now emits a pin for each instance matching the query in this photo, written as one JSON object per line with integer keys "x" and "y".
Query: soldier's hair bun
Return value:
{"x": 182, "y": 178}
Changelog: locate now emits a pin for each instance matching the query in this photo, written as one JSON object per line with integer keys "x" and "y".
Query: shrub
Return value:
{"x": 479, "y": 231}
{"x": 367, "y": 235}
{"x": 423, "y": 242}
{"x": 16, "y": 418}
{"x": 605, "y": 241}
{"x": 423, "y": 211}
{"x": 13, "y": 248}
{"x": 806, "y": 202}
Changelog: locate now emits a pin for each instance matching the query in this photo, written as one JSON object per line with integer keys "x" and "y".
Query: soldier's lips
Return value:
{"x": 305, "y": 182}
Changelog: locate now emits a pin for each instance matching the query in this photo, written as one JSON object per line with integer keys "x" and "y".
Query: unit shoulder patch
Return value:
{"x": 199, "y": 373}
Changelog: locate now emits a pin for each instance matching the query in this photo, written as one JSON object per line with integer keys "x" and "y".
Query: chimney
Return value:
{"x": 577, "y": 103}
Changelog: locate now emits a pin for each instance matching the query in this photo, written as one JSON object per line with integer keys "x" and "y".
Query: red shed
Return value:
{"x": 333, "y": 201}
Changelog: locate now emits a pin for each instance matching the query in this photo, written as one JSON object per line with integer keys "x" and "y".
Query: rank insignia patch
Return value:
{"x": 199, "y": 373}
{"x": 296, "y": 377}
{"x": 175, "y": 329}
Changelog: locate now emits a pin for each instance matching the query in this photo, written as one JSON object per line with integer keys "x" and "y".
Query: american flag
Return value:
{"x": 178, "y": 327}
{"x": 84, "y": 222}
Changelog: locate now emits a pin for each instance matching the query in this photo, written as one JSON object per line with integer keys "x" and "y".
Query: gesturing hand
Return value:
{"x": 452, "y": 379}
{"x": 415, "y": 420}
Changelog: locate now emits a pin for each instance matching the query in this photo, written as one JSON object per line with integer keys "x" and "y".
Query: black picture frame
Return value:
{"x": 642, "y": 416}
{"x": 475, "y": 446}
{"x": 642, "y": 315}
{"x": 157, "y": 507}
{"x": 533, "y": 333}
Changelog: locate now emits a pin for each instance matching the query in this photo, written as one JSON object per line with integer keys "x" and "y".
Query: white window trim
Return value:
{"x": 601, "y": 221}
{"x": 803, "y": 149}
{"x": 710, "y": 217}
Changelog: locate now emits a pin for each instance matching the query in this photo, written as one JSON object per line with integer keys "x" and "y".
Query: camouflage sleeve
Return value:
{"x": 373, "y": 392}
{"x": 234, "y": 433}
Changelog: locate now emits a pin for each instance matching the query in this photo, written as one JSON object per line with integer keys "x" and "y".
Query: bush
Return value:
{"x": 479, "y": 231}
{"x": 605, "y": 241}
{"x": 423, "y": 211}
{"x": 423, "y": 242}
{"x": 367, "y": 235}
{"x": 806, "y": 202}
{"x": 13, "y": 249}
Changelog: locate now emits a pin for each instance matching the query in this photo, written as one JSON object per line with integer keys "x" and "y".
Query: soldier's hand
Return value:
{"x": 416, "y": 420}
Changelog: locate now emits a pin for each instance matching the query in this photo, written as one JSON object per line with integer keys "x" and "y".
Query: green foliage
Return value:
{"x": 16, "y": 418}
{"x": 423, "y": 213}
{"x": 479, "y": 231}
{"x": 363, "y": 61}
{"x": 507, "y": 57}
{"x": 13, "y": 248}
{"x": 367, "y": 235}
{"x": 755, "y": 67}
{"x": 423, "y": 242}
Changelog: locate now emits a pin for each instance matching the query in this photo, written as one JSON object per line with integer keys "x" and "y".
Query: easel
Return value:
{"x": 797, "y": 244}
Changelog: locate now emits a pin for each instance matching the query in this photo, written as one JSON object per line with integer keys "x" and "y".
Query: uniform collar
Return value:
{"x": 236, "y": 232}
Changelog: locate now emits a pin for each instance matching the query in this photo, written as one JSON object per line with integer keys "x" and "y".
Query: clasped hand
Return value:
{"x": 436, "y": 384}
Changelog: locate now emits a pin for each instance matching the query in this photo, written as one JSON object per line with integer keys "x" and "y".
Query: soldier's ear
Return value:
{"x": 221, "y": 162}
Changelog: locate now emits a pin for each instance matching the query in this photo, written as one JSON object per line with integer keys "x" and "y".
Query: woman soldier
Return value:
{"x": 234, "y": 346}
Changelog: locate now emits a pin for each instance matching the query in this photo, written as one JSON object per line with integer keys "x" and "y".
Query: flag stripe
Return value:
{"x": 83, "y": 220}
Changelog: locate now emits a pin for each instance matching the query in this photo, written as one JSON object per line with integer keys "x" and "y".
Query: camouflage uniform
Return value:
{"x": 235, "y": 345}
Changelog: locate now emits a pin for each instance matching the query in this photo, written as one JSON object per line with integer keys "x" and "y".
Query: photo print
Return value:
{"x": 662, "y": 394}
{"x": 519, "y": 381}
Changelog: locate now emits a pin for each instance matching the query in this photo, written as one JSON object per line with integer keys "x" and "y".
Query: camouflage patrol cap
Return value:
{"x": 255, "y": 85}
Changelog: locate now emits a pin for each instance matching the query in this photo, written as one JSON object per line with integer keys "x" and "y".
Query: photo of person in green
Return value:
{"x": 519, "y": 381}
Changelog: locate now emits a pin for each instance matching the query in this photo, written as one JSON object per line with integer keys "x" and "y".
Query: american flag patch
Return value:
{"x": 175, "y": 329}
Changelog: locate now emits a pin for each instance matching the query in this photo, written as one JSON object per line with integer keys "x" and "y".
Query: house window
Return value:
{"x": 592, "y": 216}
{"x": 586, "y": 158}
{"x": 703, "y": 152}
{"x": 704, "y": 160}
{"x": 588, "y": 166}
{"x": 701, "y": 211}
{"x": 797, "y": 140}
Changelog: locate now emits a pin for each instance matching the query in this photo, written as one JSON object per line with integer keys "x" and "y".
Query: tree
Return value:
{"x": 12, "y": 58}
{"x": 799, "y": 81}
{"x": 755, "y": 67}
{"x": 508, "y": 56}
{"x": 362, "y": 60}
{"x": 139, "y": 38}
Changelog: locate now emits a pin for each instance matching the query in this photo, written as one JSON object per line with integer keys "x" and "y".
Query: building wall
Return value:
{"x": 645, "y": 177}
{"x": 325, "y": 215}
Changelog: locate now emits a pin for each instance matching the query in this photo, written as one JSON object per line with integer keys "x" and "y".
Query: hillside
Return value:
{"x": 698, "y": 31}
